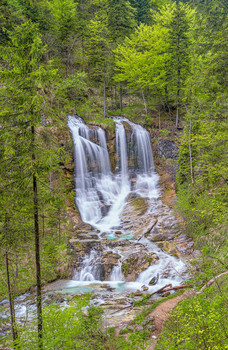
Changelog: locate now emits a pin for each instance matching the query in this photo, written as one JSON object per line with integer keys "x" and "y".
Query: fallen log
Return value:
{"x": 209, "y": 283}
{"x": 161, "y": 289}
{"x": 149, "y": 229}
{"x": 177, "y": 287}
{"x": 123, "y": 308}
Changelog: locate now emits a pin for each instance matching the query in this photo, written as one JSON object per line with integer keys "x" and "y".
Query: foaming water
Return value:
{"x": 100, "y": 194}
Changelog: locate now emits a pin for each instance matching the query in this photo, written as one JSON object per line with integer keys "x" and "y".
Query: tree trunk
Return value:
{"x": 178, "y": 96}
{"x": 190, "y": 149}
{"x": 83, "y": 56}
{"x": 177, "y": 114}
{"x": 12, "y": 312}
{"x": 37, "y": 250}
{"x": 121, "y": 97}
{"x": 104, "y": 94}
{"x": 10, "y": 296}
{"x": 115, "y": 95}
{"x": 144, "y": 101}
{"x": 43, "y": 224}
{"x": 159, "y": 119}
{"x": 178, "y": 80}
{"x": 59, "y": 227}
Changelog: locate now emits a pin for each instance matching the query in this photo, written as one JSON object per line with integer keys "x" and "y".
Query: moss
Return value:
{"x": 150, "y": 260}
{"x": 125, "y": 268}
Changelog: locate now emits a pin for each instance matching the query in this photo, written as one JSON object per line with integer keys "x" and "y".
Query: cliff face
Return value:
{"x": 161, "y": 227}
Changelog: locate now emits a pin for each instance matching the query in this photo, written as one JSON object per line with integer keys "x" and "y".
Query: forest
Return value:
{"x": 160, "y": 63}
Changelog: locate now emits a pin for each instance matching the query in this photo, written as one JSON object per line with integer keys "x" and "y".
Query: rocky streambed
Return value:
{"x": 143, "y": 248}
{"x": 149, "y": 252}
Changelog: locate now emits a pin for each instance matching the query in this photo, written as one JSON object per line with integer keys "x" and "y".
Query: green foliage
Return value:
{"x": 76, "y": 326}
{"x": 121, "y": 19}
{"x": 200, "y": 322}
{"x": 143, "y": 14}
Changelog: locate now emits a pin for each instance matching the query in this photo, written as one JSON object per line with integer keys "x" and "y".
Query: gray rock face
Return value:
{"x": 167, "y": 149}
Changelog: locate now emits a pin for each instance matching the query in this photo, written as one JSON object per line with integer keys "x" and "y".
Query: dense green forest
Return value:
{"x": 162, "y": 63}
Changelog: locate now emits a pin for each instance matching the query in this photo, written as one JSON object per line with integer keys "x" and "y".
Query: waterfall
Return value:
{"x": 101, "y": 195}
{"x": 116, "y": 274}
{"x": 121, "y": 151}
{"x": 95, "y": 188}
{"x": 90, "y": 270}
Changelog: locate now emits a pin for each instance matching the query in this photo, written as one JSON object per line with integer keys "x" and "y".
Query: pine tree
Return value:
{"x": 143, "y": 10}
{"x": 121, "y": 19}
{"x": 24, "y": 104}
{"x": 179, "y": 50}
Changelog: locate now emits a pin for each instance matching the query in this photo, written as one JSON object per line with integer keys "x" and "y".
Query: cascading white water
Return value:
{"x": 95, "y": 187}
{"x": 90, "y": 268}
{"x": 121, "y": 151}
{"x": 101, "y": 195}
{"x": 116, "y": 274}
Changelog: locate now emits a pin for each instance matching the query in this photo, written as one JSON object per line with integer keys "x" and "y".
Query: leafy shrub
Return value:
{"x": 200, "y": 322}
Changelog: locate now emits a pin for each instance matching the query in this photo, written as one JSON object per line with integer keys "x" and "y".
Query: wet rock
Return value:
{"x": 154, "y": 280}
{"x": 145, "y": 288}
{"x": 165, "y": 273}
{"x": 166, "y": 294}
{"x": 158, "y": 237}
{"x": 185, "y": 248}
{"x": 132, "y": 196}
{"x": 136, "y": 207}
{"x": 167, "y": 149}
{"x": 136, "y": 263}
{"x": 169, "y": 247}
{"x": 109, "y": 260}
{"x": 4, "y": 301}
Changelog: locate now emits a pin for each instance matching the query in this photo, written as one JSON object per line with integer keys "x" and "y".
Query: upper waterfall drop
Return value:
{"x": 100, "y": 194}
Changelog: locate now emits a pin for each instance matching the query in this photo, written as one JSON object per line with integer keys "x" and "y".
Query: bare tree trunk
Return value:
{"x": 177, "y": 114}
{"x": 59, "y": 227}
{"x": 178, "y": 82}
{"x": 83, "y": 56}
{"x": 190, "y": 149}
{"x": 11, "y": 301}
{"x": 104, "y": 94}
{"x": 43, "y": 224}
{"x": 144, "y": 101}
{"x": 210, "y": 282}
{"x": 37, "y": 250}
{"x": 159, "y": 119}
{"x": 121, "y": 97}
{"x": 50, "y": 180}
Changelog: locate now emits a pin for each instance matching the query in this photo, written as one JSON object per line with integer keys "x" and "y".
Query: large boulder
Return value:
{"x": 137, "y": 263}
{"x": 109, "y": 259}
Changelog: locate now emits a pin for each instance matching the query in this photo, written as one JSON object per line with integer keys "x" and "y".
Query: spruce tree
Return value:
{"x": 25, "y": 101}
{"x": 143, "y": 10}
{"x": 179, "y": 53}
{"x": 121, "y": 19}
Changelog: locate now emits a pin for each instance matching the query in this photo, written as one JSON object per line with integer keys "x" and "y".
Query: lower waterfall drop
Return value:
{"x": 101, "y": 197}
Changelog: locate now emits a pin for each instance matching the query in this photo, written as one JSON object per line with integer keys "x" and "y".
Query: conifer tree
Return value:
{"x": 179, "y": 50}
{"x": 143, "y": 10}
{"x": 24, "y": 103}
{"x": 121, "y": 19}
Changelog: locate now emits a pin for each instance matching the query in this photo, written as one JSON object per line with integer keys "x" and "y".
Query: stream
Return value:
{"x": 128, "y": 248}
